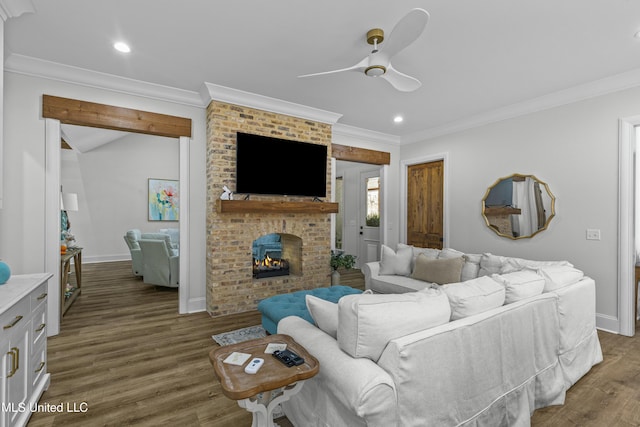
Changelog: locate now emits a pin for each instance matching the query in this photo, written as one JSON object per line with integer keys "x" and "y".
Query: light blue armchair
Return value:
{"x": 174, "y": 233}
{"x": 131, "y": 238}
{"x": 161, "y": 263}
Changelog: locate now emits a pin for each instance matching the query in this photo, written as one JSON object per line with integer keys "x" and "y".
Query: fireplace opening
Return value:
{"x": 275, "y": 255}
{"x": 270, "y": 267}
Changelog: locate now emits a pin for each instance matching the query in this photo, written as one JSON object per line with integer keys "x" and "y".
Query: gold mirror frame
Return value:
{"x": 501, "y": 218}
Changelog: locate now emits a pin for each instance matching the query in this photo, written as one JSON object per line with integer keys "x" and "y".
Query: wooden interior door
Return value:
{"x": 425, "y": 201}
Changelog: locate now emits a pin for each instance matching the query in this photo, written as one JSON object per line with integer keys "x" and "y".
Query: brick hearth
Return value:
{"x": 230, "y": 284}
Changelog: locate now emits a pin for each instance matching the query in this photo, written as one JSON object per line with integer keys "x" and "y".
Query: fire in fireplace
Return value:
{"x": 270, "y": 267}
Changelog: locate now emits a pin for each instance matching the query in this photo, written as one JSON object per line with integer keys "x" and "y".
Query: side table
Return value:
{"x": 274, "y": 383}
{"x": 66, "y": 300}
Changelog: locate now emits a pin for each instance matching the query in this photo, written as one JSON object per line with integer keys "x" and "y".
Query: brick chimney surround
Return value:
{"x": 231, "y": 287}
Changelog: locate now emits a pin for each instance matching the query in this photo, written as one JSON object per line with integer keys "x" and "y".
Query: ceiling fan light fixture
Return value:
{"x": 375, "y": 70}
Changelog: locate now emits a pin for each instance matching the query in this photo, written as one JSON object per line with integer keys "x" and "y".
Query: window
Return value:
{"x": 373, "y": 202}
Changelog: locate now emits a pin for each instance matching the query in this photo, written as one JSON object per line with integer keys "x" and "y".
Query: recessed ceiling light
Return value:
{"x": 122, "y": 47}
{"x": 398, "y": 119}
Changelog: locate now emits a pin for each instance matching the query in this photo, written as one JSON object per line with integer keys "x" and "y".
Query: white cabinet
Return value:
{"x": 23, "y": 347}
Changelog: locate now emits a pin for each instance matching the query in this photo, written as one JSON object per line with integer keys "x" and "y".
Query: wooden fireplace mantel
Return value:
{"x": 263, "y": 206}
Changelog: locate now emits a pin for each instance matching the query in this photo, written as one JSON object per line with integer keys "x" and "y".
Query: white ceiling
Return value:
{"x": 477, "y": 60}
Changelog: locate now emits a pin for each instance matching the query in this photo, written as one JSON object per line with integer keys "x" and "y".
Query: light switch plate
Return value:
{"x": 593, "y": 234}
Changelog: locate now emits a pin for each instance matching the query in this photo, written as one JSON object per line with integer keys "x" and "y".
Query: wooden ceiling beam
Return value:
{"x": 83, "y": 113}
{"x": 360, "y": 155}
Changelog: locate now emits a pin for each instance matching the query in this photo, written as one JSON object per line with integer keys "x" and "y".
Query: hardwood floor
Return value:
{"x": 126, "y": 352}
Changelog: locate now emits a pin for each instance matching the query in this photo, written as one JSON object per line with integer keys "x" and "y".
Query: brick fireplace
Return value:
{"x": 231, "y": 287}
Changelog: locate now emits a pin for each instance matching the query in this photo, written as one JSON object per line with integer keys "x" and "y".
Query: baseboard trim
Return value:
{"x": 196, "y": 305}
{"x": 105, "y": 258}
{"x": 608, "y": 323}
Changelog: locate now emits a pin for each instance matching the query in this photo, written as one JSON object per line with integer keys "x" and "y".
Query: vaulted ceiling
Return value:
{"x": 477, "y": 60}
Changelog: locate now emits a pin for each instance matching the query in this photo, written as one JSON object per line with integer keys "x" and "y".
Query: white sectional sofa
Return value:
{"x": 485, "y": 351}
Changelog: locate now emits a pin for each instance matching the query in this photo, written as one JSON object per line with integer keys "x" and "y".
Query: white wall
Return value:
{"x": 392, "y": 197}
{"x": 22, "y": 218}
{"x": 573, "y": 148}
{"x": 112, "y": 186}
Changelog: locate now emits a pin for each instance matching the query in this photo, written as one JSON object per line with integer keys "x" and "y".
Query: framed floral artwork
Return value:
{"x": 164, "y": 200}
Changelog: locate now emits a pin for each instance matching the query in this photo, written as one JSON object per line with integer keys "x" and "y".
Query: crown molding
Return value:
{"x": 15, "y": 8}
{"x": 211, "y": 91}
{"x": 365, "y": 134}
{"x": 35, "y": 67}
{"x": 593, "y": 89}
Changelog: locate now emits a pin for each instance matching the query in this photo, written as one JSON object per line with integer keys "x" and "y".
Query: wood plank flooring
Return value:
{"x": 126, "y": 352}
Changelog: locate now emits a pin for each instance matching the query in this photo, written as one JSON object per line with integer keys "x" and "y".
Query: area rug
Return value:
{"x": 240, "y": 335}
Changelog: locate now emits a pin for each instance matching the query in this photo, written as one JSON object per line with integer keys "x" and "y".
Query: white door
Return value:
{"x": 369, "y": 217}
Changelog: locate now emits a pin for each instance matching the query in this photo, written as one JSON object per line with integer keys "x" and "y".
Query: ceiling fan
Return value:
{"x": 378, "y": 62}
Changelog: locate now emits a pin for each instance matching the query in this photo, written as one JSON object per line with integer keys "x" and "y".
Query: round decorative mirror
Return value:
{"x": 518, "y": 206}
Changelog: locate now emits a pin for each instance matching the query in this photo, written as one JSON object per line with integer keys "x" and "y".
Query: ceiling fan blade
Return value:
{"x": 406, "y": 31}
{"x": 400, "y": 81}
{"x": 360, "y": 66}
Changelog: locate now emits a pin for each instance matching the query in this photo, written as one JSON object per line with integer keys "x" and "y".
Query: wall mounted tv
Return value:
{"x": 266, "y": 165}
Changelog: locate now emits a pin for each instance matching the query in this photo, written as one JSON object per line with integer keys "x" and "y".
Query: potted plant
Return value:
{"x": 340, "y": 259}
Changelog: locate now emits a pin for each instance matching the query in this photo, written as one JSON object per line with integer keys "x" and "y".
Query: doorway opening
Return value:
{"x": 357, "y": 225}
{"x": 57, "y": 111}
{"x": 359, "y": 186}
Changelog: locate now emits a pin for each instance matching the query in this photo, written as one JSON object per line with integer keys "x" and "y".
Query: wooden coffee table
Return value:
{"x": 274, "y": 383}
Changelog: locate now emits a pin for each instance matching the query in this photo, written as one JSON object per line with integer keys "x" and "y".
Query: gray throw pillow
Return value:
{"x": 440, "y": 271}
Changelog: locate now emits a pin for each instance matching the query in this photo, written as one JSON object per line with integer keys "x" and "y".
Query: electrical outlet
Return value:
{"x": 593, "y": 234}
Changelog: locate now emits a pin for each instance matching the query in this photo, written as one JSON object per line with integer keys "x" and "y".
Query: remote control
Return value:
{"x": 288, "y": 357}
{"x": 254, "y": 365}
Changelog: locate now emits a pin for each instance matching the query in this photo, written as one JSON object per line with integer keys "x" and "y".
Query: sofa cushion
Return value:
{"x": 559, "y": 276}
{"x": 450, "y": 253}
{"x": 367, "y": 322}
{"x": 324, "y": 314}
{"x": 491, "y": 264}
{"x": 471, "y": 267}
{"x": 430, "y": 253}
{"x": 440, "y": 271}
{"x": 474, "y": 296}
{"x": 515, "y": 264}
{"x": 520, "y": 284}
{"x": 399, "y": 262}
{"x": 398, "y": 284}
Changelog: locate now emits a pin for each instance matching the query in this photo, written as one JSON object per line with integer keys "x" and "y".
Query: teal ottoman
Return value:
{"x": 280, "y": 306}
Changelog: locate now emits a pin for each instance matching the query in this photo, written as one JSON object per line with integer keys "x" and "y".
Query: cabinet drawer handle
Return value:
{"x": 41, "y": 327}
{"x": 15, "y": 361}
{"x": 42, "y": 296}
{"x": 12, "y": 324}
{"x": 40, "y": 367}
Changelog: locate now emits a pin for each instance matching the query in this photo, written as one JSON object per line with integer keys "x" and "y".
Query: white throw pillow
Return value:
{"x": 324, "y": 313}
{"x": 474, "y": 296}
{"x": 368, "y": 322}
{"x": 520, "y": 284}
{"x": 396, "y": 263}
{"x": 428, "y": 252}
{"x": 471, "y": 267}
{"x": 491, "y": 264}
{"x": 450, "y": 253}
{"x": 558, "y": 276}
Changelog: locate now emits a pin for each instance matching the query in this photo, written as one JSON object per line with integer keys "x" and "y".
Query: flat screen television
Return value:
{"x": 267, "y": 165}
